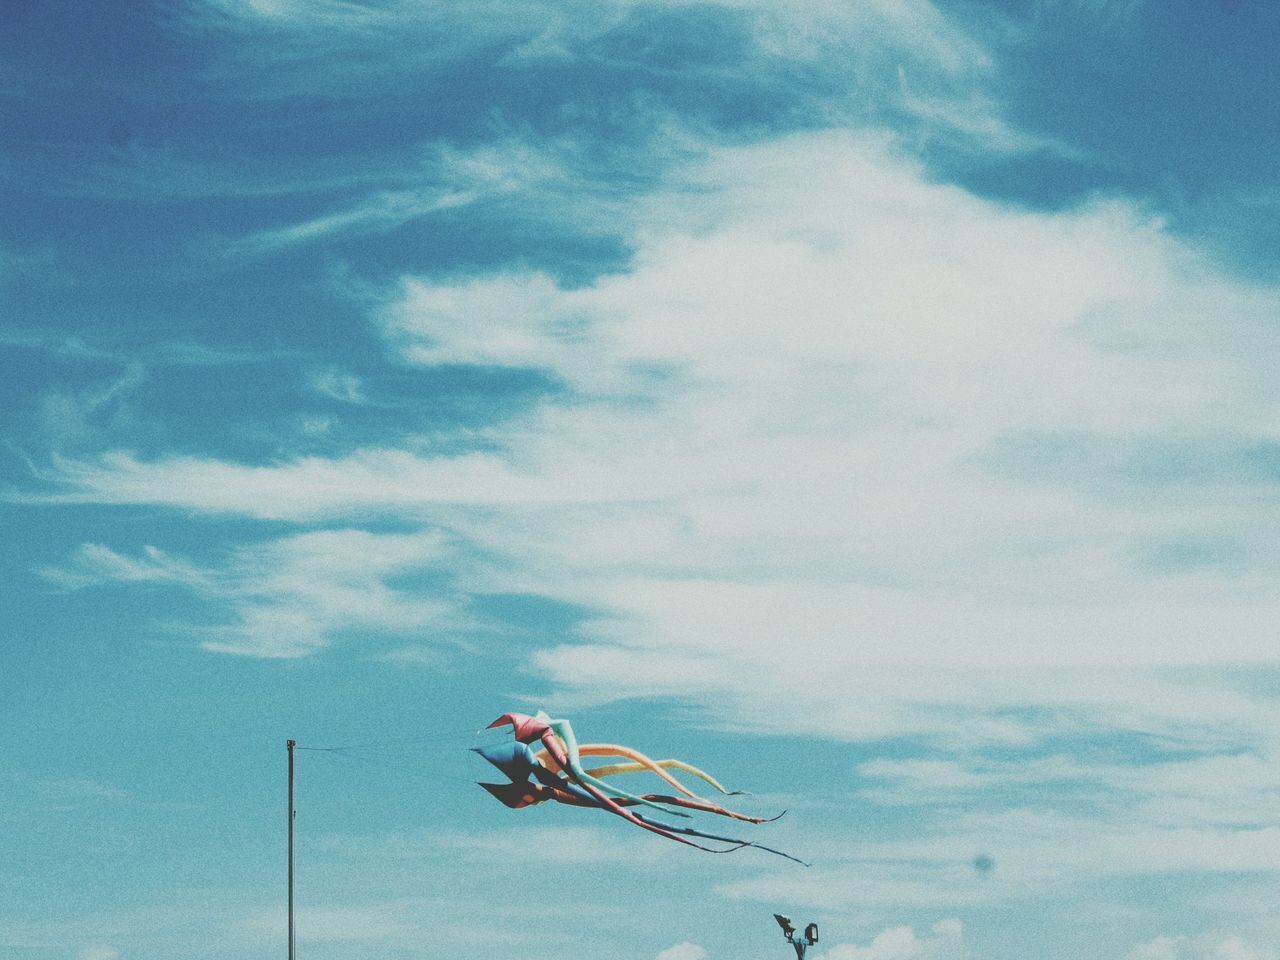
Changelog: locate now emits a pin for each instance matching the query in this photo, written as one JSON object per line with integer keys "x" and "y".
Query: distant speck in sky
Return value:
{"x": 119, "y": 134}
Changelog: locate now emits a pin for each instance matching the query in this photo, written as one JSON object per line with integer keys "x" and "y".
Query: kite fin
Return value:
{"x": 514, "y": 795}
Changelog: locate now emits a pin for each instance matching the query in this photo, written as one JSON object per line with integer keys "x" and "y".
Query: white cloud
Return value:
{"x": 72, "y": 418}
{"x": 1109, "y": 13}
{"x": 559, "y": 845}
{"x": 93, "y": 563}
{"x": 543, "y": 176}
{"x": 1205, "y": 947}
{"x": 384, "y": 210}
{"x": 944, "y": 942}
{"x": 77, "y": 790}
{"x": 518, "y": 320}
{"x": 682, "y": 951}
{"x": 553, "y": 27}
{"x": 843, "y": 453}
{"x": 922, "y": 441}
{"x": 338, "y": 385}
{"x": 446, "y": 178}
{"x": 1225, "y": 788}
{"x": 416, "y": 655}
{"x": 1038, "y": 849}
{"x": 973, "y": 122}
{"x": 405, "y": 922}
{"x": 144, "y": 928}
{"x": 842, "y": 47}
{"x": 313, "y": 488}
{"x": 290, "y": 596}
{"x": 329, "y": 12}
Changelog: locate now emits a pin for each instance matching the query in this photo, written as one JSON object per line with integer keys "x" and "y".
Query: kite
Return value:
{"x": 555, "y": 772}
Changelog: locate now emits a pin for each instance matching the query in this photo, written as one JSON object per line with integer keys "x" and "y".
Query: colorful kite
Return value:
{"x": 555, "y": 772}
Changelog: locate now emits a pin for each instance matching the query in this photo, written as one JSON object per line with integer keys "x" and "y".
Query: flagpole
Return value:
{"x": 292, "y": 814}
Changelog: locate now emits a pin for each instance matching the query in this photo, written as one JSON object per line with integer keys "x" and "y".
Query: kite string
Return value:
{"x": 420, "y": 771}
{"x": 392, "y": 752}
{"x": 393, "y": 742}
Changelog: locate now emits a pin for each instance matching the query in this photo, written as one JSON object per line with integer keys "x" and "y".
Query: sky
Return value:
{"x": 873, "y": 403}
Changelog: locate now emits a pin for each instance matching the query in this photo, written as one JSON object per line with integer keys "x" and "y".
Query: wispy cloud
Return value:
{"x": 68, "y": 792}
{"x": 893, "y": 460}
{"x": 558, "y": 26}
{"x": 689, "y": 377}
{"x": 382, "y": 211}
{"x": 329, "y": 14}
{"x": 286, "y": 597}
{"x": 68, "y": 418}
{"x": 544, "y": 845}
{"x": 555, "y": 845}
{"x": 787, "y": 421}
{"x": 338, "y": 385}
{"x": 973, "y": 122}
{"x": 1036, "y": 854}
{"x": 381, "y": 480}
{"x": 1216, "y": 789}
{"x": 94, "y": 563}
{"x": 403, "y": 923}
{"x": 1202, "y": 947}
{"x": 840, "y": 47}
{"x": 74, "y": 347}
{"x": 452, "y": 178}
{"x": 1109, "y": 13}
{"x": 984, "y": 832}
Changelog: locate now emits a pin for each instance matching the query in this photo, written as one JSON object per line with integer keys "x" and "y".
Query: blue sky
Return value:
{"x": 873, "y": 403}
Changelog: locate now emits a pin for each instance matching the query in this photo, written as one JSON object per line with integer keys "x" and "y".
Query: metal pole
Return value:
{"x": 292, "y": 814}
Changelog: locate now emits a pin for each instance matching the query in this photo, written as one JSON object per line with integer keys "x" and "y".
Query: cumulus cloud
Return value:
{"x": 945, "y": 941}
{"x": 682, "y": 951}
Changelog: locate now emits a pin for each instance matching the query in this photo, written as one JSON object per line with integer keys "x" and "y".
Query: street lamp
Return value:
{"x": 801, "y": 942}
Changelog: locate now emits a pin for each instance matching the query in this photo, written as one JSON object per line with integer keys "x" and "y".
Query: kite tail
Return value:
{"x": 711, "y": 836}
{"x": 708, "y": 808}
{"x": 641, "y": 762}
{"x": 609, "y": 804}
{"x": 562, "y": 733}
